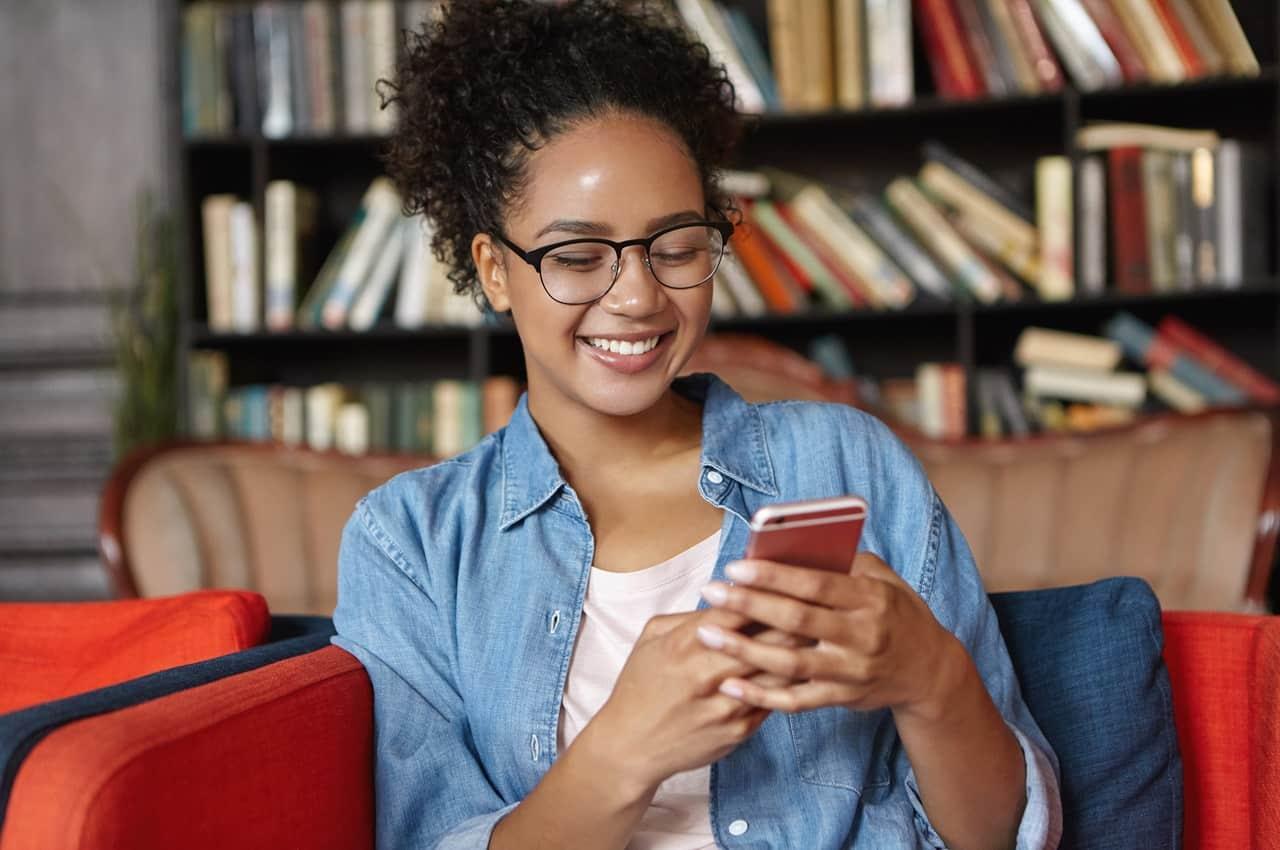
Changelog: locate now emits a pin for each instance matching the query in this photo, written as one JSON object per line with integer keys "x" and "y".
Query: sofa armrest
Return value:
{"x": 276, "y": 756}
{"x": 1224, "y": 670}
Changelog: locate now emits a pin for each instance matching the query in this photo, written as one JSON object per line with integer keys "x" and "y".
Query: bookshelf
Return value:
{"x": 856, "y": 150}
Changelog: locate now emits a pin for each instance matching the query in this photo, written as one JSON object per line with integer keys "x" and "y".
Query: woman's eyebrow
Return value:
{"x": 596, "y": 228}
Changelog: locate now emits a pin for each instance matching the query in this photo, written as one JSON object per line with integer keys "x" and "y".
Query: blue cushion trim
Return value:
{"x": 20, "y": 731}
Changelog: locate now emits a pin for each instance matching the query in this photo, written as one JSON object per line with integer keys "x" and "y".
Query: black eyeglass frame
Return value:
{"x": 535, "y": 256}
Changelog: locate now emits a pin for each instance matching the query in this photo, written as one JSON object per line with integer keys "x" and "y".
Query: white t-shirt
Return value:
{"x": 616, "y": 608}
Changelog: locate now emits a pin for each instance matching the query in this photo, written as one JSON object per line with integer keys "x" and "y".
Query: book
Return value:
{"x": 1092, "y": 266}
{"x": 1117, "y": 37}
{"x": 1017, "y": 257}
{"x": 955, "y": 74}
{"x": 380, "y": 54}
{"x": 1240, "y": 193}
{"x": 1081, "y": 46}
{"x": 1108, "y": 134}
{"x": 246, "y": 293}
{"x": 381, "y": 206}
{"x": 1224, "y": 28}
{"x": 322, "y": 404}
{"x": 1158, "y": 197}
{"x": 351, "y": 429}
{"x": 1047, "y": 347}
{"x": 308, "y": 316}
{"x": 1204, "y": 233}
{"x": 1053, "y": 221}
{"x": 981, "y": 49}
{"x": 373, "y": 296}
{"x": 704, "y": 20}
{"x": 769, "y": 276}
{"x": 299, "y": 89}
{"x": 1124, "y": 389}
{"x": 317, "y": 26}
{"x": 1174, "y": 393}
{"x": 1212, "y": 58}
{"x": 1184, "y": 222}
{"x": 938, "y": 236}
{"x": 993, "y": 17}
{"x": 357, "y": 96}
{"x": 746, "y": 296}
{"x": 271, "y": 34}
{"x": 870, "y": 214}
{"x": 766, "y": 215}
{"x": 953, "y": 190}
{"x": 787, "y": 51}
{"x": 1043, "y": 60}
{"x": 888, "y": 38}
{"x": 1218, "y": 360}
{"x": 852, "y": 292}
{"x": 934, "y": 151}
{"x": 1131, "y": 271}
{"x": 1179, "y": 38}
{"x": 931, "y": 415}
{"x": 850, "y": 53}
{"x": 411, "y": 293}
{"x": 753, "y": 54}
{"x": 244, "y": 73}
{"x": 1151, "y": 39}
{"x": 1141, "y": 345}
{"x": 1001, "y": 15}
{"x": 290, "y": 218}
{"x": 215, "y": 216}
{"x": 817, "y": 71}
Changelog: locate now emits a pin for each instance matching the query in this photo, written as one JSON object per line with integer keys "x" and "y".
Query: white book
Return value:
{"x": 1088, "y": 38}
{"x": 356, "y": 96}
{"x": 1092, "y": 270}
{"x": 270, "y": 29}
{"x": 890, "y": 68}
{"x": 351, "y": 429}
{"x": 381, "y": 205}
{"x": 1230, "y": 213}
{"x": 293, "y": 405}
{"x": 929, "y": 402}
{"x": 411, "y": 297}
{"x": 215, "y": 214}
{"x": 1082, "y": 67}
{"x": 1126, "y": 389}
{"x": 373, "y": 295}
{"x": 245, "y": 301}
{"x": 380, "y": 53}
{"x": 322, "y": 403}
{"x": 1053, "y": 220}
{"x": 281, "y": 250}
{"x": 1047, "y": 347}
{"x": 702, "y": 18}
{"x": 745, "y": 294}
{"x": 937, "y": 235}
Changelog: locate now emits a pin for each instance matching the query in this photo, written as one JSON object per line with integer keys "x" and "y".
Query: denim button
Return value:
{"x": 714, "y": 477}
{"x": 535, "y": 749}
{"x": 555, "y": 621}
{"x": 738, "y": 827}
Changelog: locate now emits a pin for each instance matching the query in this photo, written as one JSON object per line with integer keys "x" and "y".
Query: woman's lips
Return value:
{"x": 627, "y": 364}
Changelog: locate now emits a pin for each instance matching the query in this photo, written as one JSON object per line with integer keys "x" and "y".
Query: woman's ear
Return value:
{"x": 491, "y": 270}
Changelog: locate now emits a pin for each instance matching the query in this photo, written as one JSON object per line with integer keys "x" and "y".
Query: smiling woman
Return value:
{"x": 557, "y": 656}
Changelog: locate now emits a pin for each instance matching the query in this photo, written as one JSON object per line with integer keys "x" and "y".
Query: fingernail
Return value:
{"x": 711, "y": 636}
{"x": 715, "y": 593}
{"x": 740, "y": 571}
{"x": 731, "y": 689}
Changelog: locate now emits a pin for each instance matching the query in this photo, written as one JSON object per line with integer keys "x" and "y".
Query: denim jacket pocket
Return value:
{"x": 843, "y": 748}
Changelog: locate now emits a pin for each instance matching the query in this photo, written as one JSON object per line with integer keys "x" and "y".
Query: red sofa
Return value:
{"x": 281, "y": 755}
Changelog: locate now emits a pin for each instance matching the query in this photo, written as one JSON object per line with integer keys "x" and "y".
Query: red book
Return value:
{"x": 851, "y": 284}
{"x": 1132, "y": 270}
{"x": 1181, "y": 336}
{"x": 766, "y": 273}
{"x": 1181, "y": 40}
{"x": 1043, "y": 61}
{"x": 955, "y": 74}
{"x": 1117, "y": 38}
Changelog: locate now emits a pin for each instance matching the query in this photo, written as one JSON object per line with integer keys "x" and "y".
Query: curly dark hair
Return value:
{"x": 490, "y": 81}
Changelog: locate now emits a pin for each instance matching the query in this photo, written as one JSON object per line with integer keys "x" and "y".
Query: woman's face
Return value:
{"x": 618, "y": 177}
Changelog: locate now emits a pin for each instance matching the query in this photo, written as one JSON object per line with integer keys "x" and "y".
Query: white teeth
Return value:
{"x": 623, "y": 346}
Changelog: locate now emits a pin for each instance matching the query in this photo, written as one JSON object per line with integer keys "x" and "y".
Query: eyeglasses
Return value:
{"x": 580, "y": 271}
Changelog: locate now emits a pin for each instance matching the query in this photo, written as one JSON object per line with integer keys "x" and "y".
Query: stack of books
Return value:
{"x": 288, "y": 69}
{"x": 381, "y": 253}
{"x": 439, "y": 418}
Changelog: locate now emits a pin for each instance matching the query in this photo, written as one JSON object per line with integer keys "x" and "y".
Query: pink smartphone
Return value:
{"x": 821, "y": 534}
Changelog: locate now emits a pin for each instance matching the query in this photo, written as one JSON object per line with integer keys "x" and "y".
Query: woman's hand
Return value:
{"x": 878, "y": 644}
{"x": 666, "y": 713}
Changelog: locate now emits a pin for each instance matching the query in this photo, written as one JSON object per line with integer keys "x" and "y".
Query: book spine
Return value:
{"x": 979, "y": 179}
{"x": 1184, "y": 222}
{"x": 887, "y": 41}
{"x": 1084, "y": 31}
{"x": 1117, "y": 38}
{"x": 299, "y": 89}
{"x": 1042, "y": 58}
{"x": 1214, "y": 62}
{"x": 281, "y": 228}
{"x": 753, "y": 55}
{"x": 271, "y": 30}
{"x": 750, "y": 248}
{"x": 851, "y": 291}
{"x": 316, "y": 22}
{"x": 1006, "y": 63}
{"x": 871, "y": 216}
{"x": 1053, "y": 214}
{"x": 1144, "y": 26}
{"x": 411, "y": 298}
{"x": 373, "y": 295}
{"x": 1015, "y": 256}
{"x": 1008, "y": 35}
{"x": 1157, "y": 194}
{"x": 245, "y": 300}
{"x": 1179, "y": 38}
{"x": 355, "y": 75}
{"x": 850, "y": 58}
{"x": 817, "y": 69}
{"x": 954, "y": 72}
{"x": 868, "y": 262}
{"x": 1204, "y": 226}
{"x": 980, "y": 48}
{"x": 703, "y": 19}
{"x": 1218, "y": 360}
{"x": 1093, "y": 225}
{"x": 769, "y": 217}
{"x": 953, "y": 190}
{"x": 216, "y": 219}
{"x": 1224, "y": 28}
{"x": 382, "y": 212}
{"x": 745, "y": 294}
{"x": 784, "y": 45}
{"x": 937, "y": 235}
{"x": 1083, "y": 67}
{"x": 1132, "y": 271}
{"x": 1228, "y": 169}
{"x": 1141, "y": 344}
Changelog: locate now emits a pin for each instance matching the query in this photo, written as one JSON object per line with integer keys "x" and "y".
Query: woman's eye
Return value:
{"x": 675, "y": 257}
{"x": 576, "y": 262}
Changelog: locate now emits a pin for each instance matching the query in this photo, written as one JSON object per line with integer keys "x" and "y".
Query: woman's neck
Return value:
{"x": 584, "y": 442}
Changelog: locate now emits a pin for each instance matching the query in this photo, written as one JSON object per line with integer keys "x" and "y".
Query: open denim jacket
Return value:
{"x": 460, "y": 589}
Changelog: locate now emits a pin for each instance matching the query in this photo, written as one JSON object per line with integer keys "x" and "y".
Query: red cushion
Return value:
{"x": 1225, "y": 673}
{"x": 280, "y": 756}
{"x": 50, "y": 650}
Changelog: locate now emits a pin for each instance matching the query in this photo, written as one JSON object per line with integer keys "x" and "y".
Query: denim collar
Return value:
{"x": 733, "y": 444}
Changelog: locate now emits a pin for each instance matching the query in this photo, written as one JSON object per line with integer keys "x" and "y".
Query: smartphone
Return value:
{"x": 821, "y": 534}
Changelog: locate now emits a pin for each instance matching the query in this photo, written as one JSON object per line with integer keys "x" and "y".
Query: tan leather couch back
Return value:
{"x": 1175, "y": 501}
{"x": 265, "y": 518}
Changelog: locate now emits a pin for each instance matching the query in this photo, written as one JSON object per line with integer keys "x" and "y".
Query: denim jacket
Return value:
{"x": 460, "y": 590}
